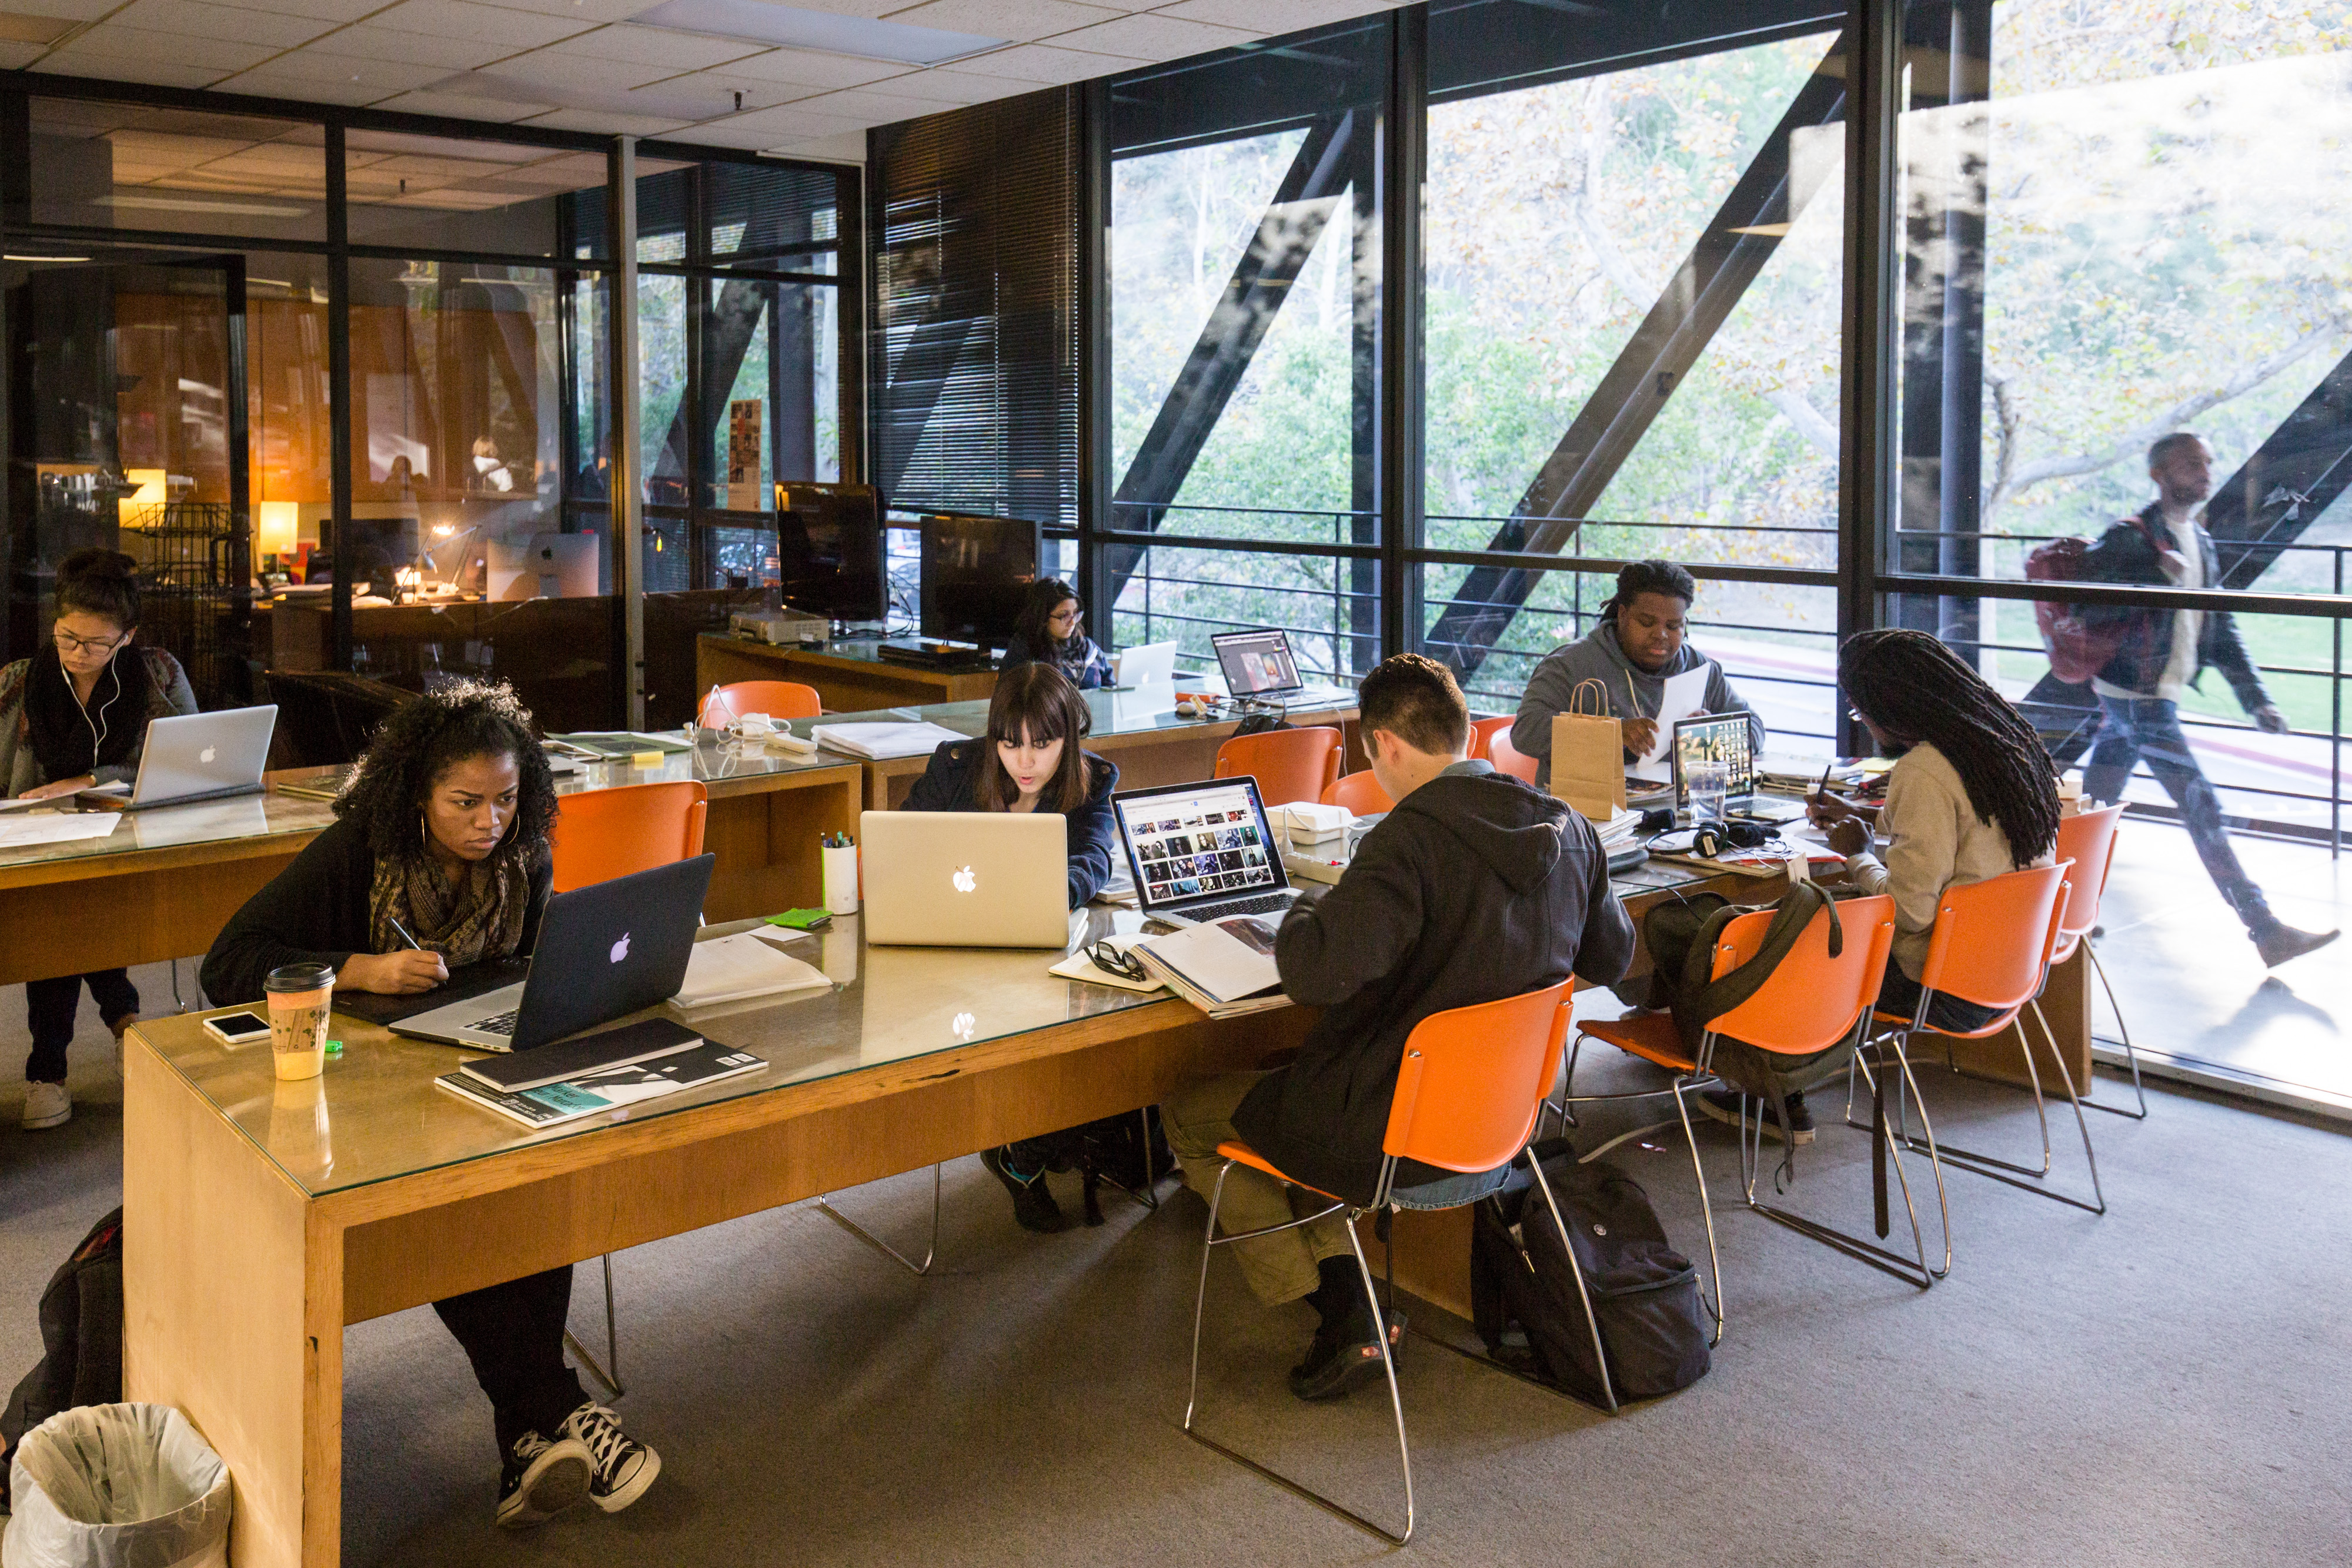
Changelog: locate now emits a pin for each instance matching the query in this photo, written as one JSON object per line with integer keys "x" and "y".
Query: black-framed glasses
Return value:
{"x": 69, "y": 643}
{"x": 1110, "y": 960}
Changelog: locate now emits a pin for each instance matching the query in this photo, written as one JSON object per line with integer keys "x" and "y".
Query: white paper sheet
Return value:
{"x": 1684, "y": 694}
{"x": 57, "y": 828}
{"x": 880, "y": 741}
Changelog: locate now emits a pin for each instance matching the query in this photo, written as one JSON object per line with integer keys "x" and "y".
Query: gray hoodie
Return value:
{"x": 1597, "y": 657}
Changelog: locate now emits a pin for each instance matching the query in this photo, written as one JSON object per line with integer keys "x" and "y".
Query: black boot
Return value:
{"x": 1033, "y": 1201}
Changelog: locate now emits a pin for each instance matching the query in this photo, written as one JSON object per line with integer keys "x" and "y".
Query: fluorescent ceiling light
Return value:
{"x": 190, "y": 204}
{"x": 760, "y": 22}
{"x": 44, "y": 258}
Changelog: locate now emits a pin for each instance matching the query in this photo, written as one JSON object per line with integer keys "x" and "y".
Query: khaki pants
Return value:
{"x": 1281, "y": 1267}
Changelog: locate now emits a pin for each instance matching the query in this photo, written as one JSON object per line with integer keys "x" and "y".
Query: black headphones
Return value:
{"x": 1713, "y": 838}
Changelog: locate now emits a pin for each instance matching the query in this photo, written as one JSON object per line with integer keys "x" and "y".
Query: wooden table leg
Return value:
{"x": 233, "y": 1312}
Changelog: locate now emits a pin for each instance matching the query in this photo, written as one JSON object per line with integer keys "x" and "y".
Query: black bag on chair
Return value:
{"x": 1645, "y": 1296}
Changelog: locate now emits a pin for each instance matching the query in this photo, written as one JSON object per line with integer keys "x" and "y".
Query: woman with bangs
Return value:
{"x": 1031, "y": 760}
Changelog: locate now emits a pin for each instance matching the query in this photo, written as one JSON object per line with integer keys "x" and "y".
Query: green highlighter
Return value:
{"x": 803, "y": 919}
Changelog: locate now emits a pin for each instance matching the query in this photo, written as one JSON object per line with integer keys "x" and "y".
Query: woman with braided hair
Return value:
{"x": 1972, "y": 796}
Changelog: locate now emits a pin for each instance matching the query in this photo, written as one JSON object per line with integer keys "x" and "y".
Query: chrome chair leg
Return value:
{"x": 610, "y": 1379}
{"x": 1576, "y": 1272}
{"x": 2023, "y": 1177}
{"x": 1911, "y": 1270}
{"x": 2131, "y": 1057}
{"x": 1706, "y": 1208}
{"x": 825, "y": 1207}
{"x": 1388, "y": 1364}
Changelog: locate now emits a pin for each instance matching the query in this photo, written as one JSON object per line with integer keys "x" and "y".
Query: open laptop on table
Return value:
{"x": 1202, "y": 852}
{"x": 605, "y": 950}
{"x": 1725, "y": 739}
{"x": 196, "y": 756}
{"x": 1260, "y": 665}
{"x": 1147, "y": 664}
{"x": 965, "y": 879}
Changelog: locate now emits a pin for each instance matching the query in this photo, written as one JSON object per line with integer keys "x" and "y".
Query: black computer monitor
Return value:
{"x": 976, "y": 575}
{"x": 829, "y": 550}
{"x": 379, "y": 548}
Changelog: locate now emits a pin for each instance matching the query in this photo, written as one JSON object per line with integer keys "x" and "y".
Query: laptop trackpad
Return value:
{"x": 470, "y": 981}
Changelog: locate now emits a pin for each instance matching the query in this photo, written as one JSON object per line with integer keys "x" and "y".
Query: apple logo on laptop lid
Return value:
{"x": 964, "y": 880}
{"x": 620, "y": 948}
{"x": 206, "y": 755}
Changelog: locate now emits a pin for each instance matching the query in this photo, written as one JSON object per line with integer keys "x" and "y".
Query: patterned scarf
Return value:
{"x": 480, "y": 919}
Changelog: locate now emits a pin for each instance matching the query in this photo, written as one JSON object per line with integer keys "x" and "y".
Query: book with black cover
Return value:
{"x": 614, "y": 1089}
{"x": 623, "y": 1047}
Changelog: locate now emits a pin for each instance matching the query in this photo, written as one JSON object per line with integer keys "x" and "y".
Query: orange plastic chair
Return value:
{"x": 1991, "y": 946}
{"x": 1359, "y": 792}
{"x": 777, "y": 699}
{"x": 1471, "y": 1085}
{"x": 1510, "y": 758}
{"x": 1289, "y": 763}
{"x": 1812, "y": 1001}
{"x": 604, "y": 833}
{"x": 1483, "y": 732}
{"x": 2088, "y": 839}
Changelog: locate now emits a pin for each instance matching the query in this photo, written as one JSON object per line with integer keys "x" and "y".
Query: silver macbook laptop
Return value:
{"x": 1151, "y": 665}
{"x": 197, "y": 757}
{"x": 1261, "y": 664}
{"x": 965, "y": 879}
{"x": 604, "y": 951}
{"x": 1202, "y": 852}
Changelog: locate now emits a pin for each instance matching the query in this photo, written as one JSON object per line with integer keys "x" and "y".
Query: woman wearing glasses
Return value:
{"x": 1052, "y": 630}
{"x": 72, "y": 715}
{"x": 1031, "y": 760}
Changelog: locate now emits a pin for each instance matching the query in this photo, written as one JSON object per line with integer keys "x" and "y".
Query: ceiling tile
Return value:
{"x": 368, "y": 42}
{"x": 1255, "y": 15}
{"x": 581, "y": 10}
{"x": 1008, "y": 19}
{"x": 114, "y": 41}
{"x": 326, "y": 10}
{"x": 847, "y": 147}
{"x": 806, "y": 67}
{"x": 124, "y": 68}
{"x": 17, "y": 56}
{"x": 724, "y": 86}
{"x": 487, "y": 24}
{"x": 278, "y": 84}
{"x": 1163, "y": 38}
{"x": 338, "y": 71}
{"x": 609, "y": 124}
{"x": 70, "y": 10}
{"x": 193, "y": 19}
{"x": 954, "y": 85}
{"x": 870, "y": 106}
{"x": 460, "y": 106}
{"x": 789, "y": 123}
{"x": 657, "y": 47}
{"x": 572, "y": 73}
{"x": 1046, "y": 65}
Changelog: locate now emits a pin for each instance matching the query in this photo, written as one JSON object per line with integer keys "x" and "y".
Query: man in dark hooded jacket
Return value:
{"x": 1474, "y": 888}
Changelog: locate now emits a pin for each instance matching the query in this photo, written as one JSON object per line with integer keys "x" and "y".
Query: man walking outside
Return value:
{"x": 2161, "y": 652}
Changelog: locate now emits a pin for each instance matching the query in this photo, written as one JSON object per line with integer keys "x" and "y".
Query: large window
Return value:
{"x": 2110, "y": 235}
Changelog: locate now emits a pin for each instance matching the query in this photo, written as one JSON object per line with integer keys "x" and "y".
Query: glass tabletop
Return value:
{"x": 376, "y": 1113}
{"x": 1142, "y": 711}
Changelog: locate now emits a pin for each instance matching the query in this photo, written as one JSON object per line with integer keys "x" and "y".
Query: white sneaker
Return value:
{"x": 624, "y": 1467}
{"x": 46, "y": 1105}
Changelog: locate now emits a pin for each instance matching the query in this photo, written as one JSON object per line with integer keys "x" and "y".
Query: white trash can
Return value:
{"x": 117, "y": 1485}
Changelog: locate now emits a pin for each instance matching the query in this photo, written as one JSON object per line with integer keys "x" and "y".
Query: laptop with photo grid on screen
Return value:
{"x": 1201, "y": 851}
{"x": 1259, "y": 663}
{"x": 1726, "y": 738}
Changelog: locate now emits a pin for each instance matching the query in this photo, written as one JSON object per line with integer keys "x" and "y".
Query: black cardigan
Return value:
{"x": 316, "y": 911}
{"x": 948, "y": 785}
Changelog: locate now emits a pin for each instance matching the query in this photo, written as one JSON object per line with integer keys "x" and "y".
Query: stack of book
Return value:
{"x": 1226, "y": 968}
{"x": 1620, "y": 829}
{"x": 916, "y": 738}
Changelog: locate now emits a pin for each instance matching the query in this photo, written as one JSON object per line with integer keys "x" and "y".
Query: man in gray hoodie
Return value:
{"x": 1637, "y": 644}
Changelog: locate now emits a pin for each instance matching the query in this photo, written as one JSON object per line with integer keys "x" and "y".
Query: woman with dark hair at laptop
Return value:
{"x": 72, "y": 715}
{"x": 1052, "y": 630}
{"x": 1636, "y": 645}
{"x": 1030, "y": 761}
{"x": 438, "y": 858}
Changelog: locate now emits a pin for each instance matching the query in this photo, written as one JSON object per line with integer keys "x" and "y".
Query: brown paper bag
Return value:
{"x": 1587, "y": 754}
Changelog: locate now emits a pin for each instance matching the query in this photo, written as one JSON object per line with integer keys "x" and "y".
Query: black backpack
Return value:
{"x": 1645, "y": 1295}
{"x": 81, "y": 1340}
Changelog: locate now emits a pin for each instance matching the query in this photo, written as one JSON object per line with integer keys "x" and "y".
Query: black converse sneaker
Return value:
{"x": 541, "y": 1479}
{"x": 625, "y": 1468}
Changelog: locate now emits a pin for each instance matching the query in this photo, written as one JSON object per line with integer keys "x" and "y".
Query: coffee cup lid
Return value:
{"x": 299, "y": 978}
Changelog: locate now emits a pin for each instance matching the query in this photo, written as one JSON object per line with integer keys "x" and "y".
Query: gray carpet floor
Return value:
{"x": 2166, "y": 1385}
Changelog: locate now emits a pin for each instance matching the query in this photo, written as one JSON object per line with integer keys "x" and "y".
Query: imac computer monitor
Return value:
{"x": 549, "y": 566}
{"x": 829, "y": 550}
{"x": 976, "y": 574}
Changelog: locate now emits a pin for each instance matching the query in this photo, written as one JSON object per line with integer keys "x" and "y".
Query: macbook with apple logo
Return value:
{"x": 965, "y": 879}
{"x": 196, "y": 756}
{"x": 604, "y": 951}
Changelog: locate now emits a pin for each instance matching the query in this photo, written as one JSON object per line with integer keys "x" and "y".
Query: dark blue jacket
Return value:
{"x": 2126, "y": 553}
{"x": 1078, "y": 657}
{"x": 948, "y": 785}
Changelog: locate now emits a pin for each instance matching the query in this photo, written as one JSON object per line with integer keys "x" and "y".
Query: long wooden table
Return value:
{"x": 164, "y": 882}
{"x": 849, "y": 676}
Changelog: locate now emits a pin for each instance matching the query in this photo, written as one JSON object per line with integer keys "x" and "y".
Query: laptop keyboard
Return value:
{"x": 496, "y": 1023}
{"x": 1263, "y": 903}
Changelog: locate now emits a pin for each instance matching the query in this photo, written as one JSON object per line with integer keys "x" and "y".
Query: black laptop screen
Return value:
{"x": 1203, "y": 841}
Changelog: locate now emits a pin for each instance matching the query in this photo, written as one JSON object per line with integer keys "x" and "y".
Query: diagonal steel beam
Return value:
{"x": 1728, "y": 255}
{"x": 2288, "y": 481}
{"x": 1294, "y": 220}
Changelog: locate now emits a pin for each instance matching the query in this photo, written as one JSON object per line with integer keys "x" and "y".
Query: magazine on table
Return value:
{"x": 1226, "y": 967}
{"x": 614, "y": 1088}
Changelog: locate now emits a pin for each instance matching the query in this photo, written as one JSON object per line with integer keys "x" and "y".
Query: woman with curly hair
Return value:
{"x": 72, "y": 715}
{"x": 443, "y": 837}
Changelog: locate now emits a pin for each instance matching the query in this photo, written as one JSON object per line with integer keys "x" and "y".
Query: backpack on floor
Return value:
{"x": 81, "y": 1340}
{"x": 1645, "y": 1296}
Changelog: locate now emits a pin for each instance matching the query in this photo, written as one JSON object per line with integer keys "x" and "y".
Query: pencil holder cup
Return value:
{"x": 841, "y": 879}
